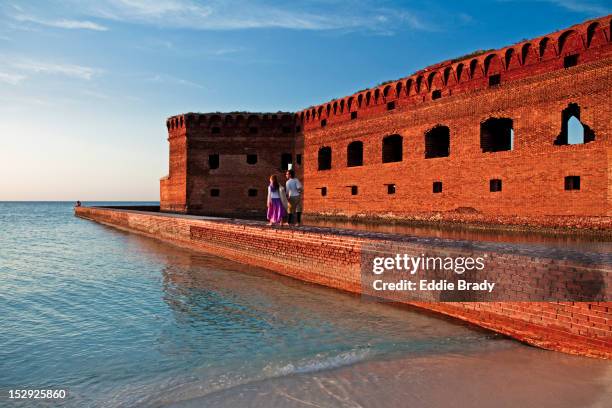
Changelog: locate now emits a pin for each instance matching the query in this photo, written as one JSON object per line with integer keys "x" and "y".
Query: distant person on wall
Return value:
{"x": 277, "y": 202}
{"x": 78, "y": 204}
{"x": 294, "y": 195}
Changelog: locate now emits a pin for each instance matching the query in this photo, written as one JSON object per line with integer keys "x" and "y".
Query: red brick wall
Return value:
{"x": 534, "y": 90}
{"x": 532, "y": 174}
{"x": 332, "y": 258}
{"x": 235, "y": 136}
{"x": 173, "y": 187}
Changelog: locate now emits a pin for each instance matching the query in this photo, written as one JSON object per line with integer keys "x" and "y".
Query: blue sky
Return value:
{"x": 86, "y": 86}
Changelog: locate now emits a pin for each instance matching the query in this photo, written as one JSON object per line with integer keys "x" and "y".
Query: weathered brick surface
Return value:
{"x": 194, "y": 137}
{"x": 332, "y": 258}
{"x": 534, "y": 90}
{"x": 535, "y": 87}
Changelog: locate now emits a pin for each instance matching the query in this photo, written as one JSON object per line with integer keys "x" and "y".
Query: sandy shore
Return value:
{"x": 518, "y": 376}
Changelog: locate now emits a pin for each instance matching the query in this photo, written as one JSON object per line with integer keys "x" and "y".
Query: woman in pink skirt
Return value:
{"x": 277, "y": 202}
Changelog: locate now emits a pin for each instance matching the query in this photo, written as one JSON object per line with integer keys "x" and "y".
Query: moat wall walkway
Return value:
{"x": 332, "y": 257}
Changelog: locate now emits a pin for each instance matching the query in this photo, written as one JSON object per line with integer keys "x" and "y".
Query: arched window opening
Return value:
{"x": 487, "y": 62}
{"x": 437, "y": 142}
{"x": 459, "y": 71}
{"x": 430, "y": 79}
{"x": 543, "y": 45}
{"x": 473, "y": 66}
{"x": 354, "y": 154}
{"x": 376, "y": 95}
{"x": 496, "y": 135}
{"x": 418, "y": 83}
{"x": 368, "y": 96}
{"x": 446, "y": 76}
{"x": 386, "y": 91}
{"x": 325, "y": 158}
{"x": 392, "y": 149}
{"x": 563, "y": 39}
{"x": 525, "y": 53}
{"x": 398, "y": 89}
{"x": 508, "y": 56}
{"x": 573, "y": 131}
{"x": 408, "y": 86}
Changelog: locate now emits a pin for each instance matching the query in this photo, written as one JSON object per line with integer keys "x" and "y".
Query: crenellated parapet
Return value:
{"x": 233, "y": 124}
{"x": 563, "y": 49}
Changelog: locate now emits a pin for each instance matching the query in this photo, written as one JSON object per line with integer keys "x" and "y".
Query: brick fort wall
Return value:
{"x": 333, "y": 258}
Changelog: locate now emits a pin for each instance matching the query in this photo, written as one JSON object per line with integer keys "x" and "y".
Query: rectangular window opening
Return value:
{"x": 215, "y": 130}
{"x": 570, "y": 61}
{"x": 390, "y": 188}
{"x": 251, "y": 159}
{"x": 323, "y": 191}
{"x": 252, "y": 192}
{"x": 390, "y": 105}
{"x": 285, "y": 161}
{"x": 215, "y": 192}
{"x": 353, "y": 115}
{"x": 495, "y": 185}
{"x": 213, "y": 161}
{"x": 354, "y": 190}
{"x": 495, "y": 80}
{"x": 572, "y": 183}
{"x": 253, "y": 130}
{"x": 437, "y": 187}
{"x": 437, "y": 94}
{"x": 324, "y": 123}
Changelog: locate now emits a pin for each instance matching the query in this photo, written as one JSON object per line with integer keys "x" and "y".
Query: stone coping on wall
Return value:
{"x": 558, "y": 254}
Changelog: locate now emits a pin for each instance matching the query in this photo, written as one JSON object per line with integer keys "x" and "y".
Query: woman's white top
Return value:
{"x": 279, "y": 193}
{"x": 274, "y": 193}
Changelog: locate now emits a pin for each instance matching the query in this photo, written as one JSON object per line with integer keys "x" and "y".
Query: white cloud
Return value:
{"x": 578, "y": 6}
{"x": 11, "y": 79}
{"x": 588, "y": 7}
{"x": 74, "y": 71}
{"x": 163, "y": 78}
{"x": 253, "y": 14}
{"x": 62, "y": 23}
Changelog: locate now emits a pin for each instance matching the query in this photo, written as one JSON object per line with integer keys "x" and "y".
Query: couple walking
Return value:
{"x": 285, "y": 200}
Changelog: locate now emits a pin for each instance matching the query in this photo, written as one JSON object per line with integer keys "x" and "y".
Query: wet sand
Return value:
{"x": 517, "y": 376}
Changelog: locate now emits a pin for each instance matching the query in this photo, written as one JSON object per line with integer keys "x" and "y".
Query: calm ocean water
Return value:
{"x": 122, "y": 320}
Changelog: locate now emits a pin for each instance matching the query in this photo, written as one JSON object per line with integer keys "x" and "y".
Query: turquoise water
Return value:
{"x": 122, "y": 320}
